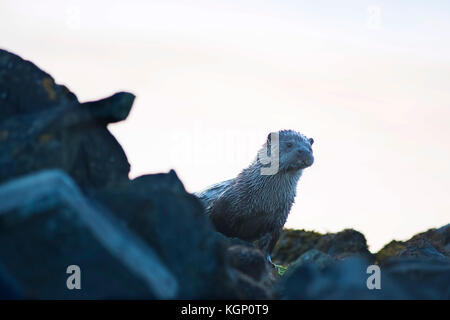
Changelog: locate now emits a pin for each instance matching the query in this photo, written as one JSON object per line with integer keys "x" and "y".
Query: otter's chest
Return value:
{"x": 272, "y": 213}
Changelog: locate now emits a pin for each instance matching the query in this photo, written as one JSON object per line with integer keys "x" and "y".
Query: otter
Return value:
{"x": 255, "y": 205}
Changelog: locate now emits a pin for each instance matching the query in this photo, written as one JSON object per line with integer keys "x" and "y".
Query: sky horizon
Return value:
{"x": 368, "y": 80}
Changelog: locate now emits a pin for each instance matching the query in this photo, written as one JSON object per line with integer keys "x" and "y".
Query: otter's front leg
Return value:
{"x": 267, "y": 242}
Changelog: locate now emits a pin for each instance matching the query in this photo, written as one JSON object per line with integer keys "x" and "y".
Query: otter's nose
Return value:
{"x": 305, "y": 156}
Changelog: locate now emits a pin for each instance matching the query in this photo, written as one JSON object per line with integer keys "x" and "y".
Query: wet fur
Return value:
{"x": 254, "y": 206}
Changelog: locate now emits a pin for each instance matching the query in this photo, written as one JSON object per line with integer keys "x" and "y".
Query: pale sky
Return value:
{"x": 368, "y": 80}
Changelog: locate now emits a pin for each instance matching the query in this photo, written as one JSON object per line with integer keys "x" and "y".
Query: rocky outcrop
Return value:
{"x": 334, "y": 266}
{"x": 320, "y": 260}
{"x": 47, "y": 225}
{"x": 345, "y": 279}
{"x": 159, "y": 210}
{"x": 325, "y": 278}
{"x": 144, "y": 238}
{"x": 42, "y": 125}
{"x": 294, "y": 243}
{"x": 252, "y": 270}
{"x": 434, "y": 243}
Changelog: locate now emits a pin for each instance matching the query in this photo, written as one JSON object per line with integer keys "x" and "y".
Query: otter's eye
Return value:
{"x": 289, "y": 144}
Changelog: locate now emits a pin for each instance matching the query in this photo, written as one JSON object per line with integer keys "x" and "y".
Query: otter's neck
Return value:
{"x": 269, "y": 189}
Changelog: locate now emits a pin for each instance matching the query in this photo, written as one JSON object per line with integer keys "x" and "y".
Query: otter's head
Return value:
{"x": 294, "y": 149}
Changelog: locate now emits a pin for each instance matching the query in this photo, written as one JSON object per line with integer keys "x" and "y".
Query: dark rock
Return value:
{"x": 420, "y": 248}
{"x": 294, "y": 243}
{"x": 42, "y": 125}
{"x": 253, "y": 272}
{"x": 434, "y": 243}
{"x": 415, "y": 271}
{"x": 443, "y": 233}
{"x": 421, "y": 264}
{"x": 46, "y": 225}
{"x": 346, "y": 243}
{"x": 249, "y": 261}
{"x": 247, "y": 288}
{"x": 319, "y": 259}
{"x": 423, "y": 278}
{"x": 438, "y": 238}
{"x": 9, "y": 288}
{"x": 172, "y": 221}
{"x": 347, "y": 279}
{"x": 24, "y": 88}
{"x": 392, "y": 249}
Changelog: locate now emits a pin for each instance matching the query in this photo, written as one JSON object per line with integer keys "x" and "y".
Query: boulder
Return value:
{"x": 47, "y": 225}
{"x": 247, "y": 288}
{"x": 26, "y": 89}
{"x": 347, "y": 243}
{"x": 414, "y": 269}
{"x": 346, "y": 279}
{"x": 320, "y": 260}
{"x": 292, "y": 244}
{"x": 252, "y": 262}
{"x": 43, "y": 126}
{"x": 159, "y": 210}
{"x": 422, "y": 277}
{"x": 9, "y": 288}
{"x": 434, "y": 243}
{"x": 249, "y": 261}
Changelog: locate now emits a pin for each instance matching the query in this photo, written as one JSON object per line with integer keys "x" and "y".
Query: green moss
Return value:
{"x": 281, "y": 269}
{"x": 292, "y": 244}
{"x": 390, "y": 250}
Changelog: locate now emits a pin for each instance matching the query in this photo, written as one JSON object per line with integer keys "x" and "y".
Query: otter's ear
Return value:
{"x": 311, "y": 141}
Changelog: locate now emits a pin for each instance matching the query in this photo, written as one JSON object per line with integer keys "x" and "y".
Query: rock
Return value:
{"x": 416, "y": 270}
{"x": 259, "y": 273}
{"x": 444, "y": 235}
{"x": 25, "y": 89}
{"x": 320, "y": 260}
{"x": 42, "y": 126}
{"x": 247, "y": 288}
{"x": 9, "y": 288}
{"x": 393, "y": 248}
{"x": 159, "y": 210}
{"x": 347, "y": 279}
{"x": 422, "y": 278}
{"x": 46, "y": 225}
{"x": 294, "y": 243}
{"x": 48, "y": 128}
{"x": 438, "y": 238}
{"x": 434, "y": 243}
{"x": 249, "y": 261}
{"x": 420, "y": 248}
{"x": 344, "y": 244}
